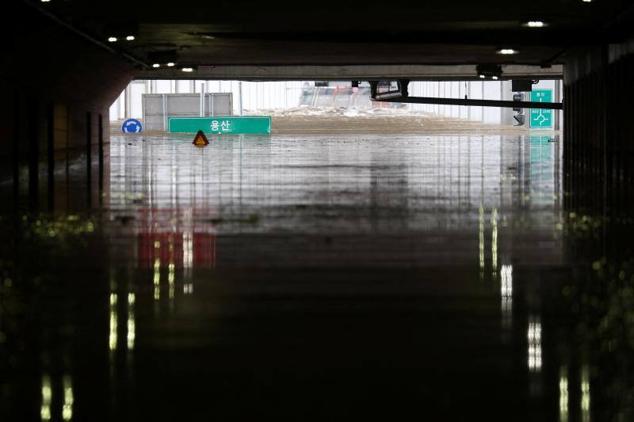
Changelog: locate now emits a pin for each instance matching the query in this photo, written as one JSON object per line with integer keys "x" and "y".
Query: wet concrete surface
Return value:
{"x": 325, "y": 277}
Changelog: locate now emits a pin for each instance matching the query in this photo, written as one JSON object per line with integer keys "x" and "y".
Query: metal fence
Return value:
{"x": 157, "y": 108}
{"x": 335, "y": 96}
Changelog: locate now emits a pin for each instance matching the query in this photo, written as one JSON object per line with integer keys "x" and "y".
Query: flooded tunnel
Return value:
{"x": 422, "y": 211}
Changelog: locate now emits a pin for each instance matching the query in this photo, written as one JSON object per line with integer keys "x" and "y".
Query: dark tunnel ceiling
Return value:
{"x": 351, "y": 32}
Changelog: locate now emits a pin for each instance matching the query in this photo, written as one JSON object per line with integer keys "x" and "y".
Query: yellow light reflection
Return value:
{"x": 170, "y": 279}
{"x": 157, "y": 277}
{"x": 563, "y": 394}
{"x": 481, "y": 233}
{"x": 131, "y": 337}
{"x": 188, "y": 262}
{"x": 171, "y": 267}
{"x": 585, "y": 394}
{"x": 157, "y": 271}
{"x": 47, "y": 395}
{"x": 69, "y": 399}
{"x": 157, "y": 262}
{"x": 112, "y": 337}
{"x": 506, "y": 293}
{"x": 188, "y": 248}
{"x": 534, "y": 344}
{"x": 494, "y": 242}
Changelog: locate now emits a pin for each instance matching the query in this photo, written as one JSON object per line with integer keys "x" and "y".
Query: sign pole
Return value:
{"x": 240, "y": 95}
{"x": 201, "y": 103}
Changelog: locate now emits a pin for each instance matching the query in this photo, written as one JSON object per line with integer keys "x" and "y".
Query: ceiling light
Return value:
{"x": 587, "y": 1}
{"x": 535, "y": 24}
{"x": 163, "y": 56}
{"x": 171, "y": 64}
{"x": 156, "y": 65}
{"x": 130, "y": 38}
{"x": 488, "y": 71}
{"x": 507, "y": 51}
{"x": 113, "y": 39}
{"x": 188, "y": 69}
{"x": 495, "y": 78}
{"x": 45, "y": 1}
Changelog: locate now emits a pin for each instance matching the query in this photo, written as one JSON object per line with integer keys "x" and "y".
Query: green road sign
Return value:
{"x": 222, "y": 125}
{"x": 542, "y": 119}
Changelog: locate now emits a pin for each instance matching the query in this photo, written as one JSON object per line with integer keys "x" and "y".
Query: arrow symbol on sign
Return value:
{"x": 541, "y": 118}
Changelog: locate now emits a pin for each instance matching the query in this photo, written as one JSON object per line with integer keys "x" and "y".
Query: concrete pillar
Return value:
{"x": 49, "y": 120}
{"x": 89, "y": 159}
{"x": 127, "y": 102}
{"x": 506, "y": 114}
{"x": 557, "y": 98}
{"x": 50, "y": 156}
{"x": 33, "y": 120}
{"x": 15, "y": 147}
{"x": 100, "y": 135}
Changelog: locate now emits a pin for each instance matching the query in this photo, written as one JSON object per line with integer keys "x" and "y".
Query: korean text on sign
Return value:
{"x": 220, "y": 126}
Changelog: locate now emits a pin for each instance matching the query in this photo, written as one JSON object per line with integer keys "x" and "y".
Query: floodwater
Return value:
{"x": 319, "y": 278}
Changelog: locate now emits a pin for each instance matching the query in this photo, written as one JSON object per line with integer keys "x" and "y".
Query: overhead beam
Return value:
{"x": 468, "y": 102}
{"x": 349, "y": 72}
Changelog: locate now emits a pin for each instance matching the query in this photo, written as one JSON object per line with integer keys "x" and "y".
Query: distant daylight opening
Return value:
{"x": 334, "y": 106}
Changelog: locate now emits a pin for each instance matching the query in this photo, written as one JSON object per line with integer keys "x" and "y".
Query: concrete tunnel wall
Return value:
{"x": 599, "y": 133}
{"x": 57, "y": 86}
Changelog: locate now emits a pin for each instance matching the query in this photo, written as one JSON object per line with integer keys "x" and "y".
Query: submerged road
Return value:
{"x": 320, "y": 277}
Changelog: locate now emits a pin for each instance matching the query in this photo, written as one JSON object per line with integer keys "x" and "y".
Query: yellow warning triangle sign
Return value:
{"x": 201, "y": 140}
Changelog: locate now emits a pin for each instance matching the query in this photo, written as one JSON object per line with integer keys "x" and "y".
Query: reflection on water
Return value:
{"x": 506, "y": 293}
{"x": 67, "y": 407}
{"x": 584, "y": 398}
{"x": 47, "y": 394}
{"x": 564, "y": 394}
{"x": 131, "y": 324}
{"x": 432, "y": 276}
{"x": 585, "y": 393}
{"x": 113, "y": 337}
{"x": 534, "y": 344}
{"x": 48, "y": 411}
{"x": 494, "y": 243}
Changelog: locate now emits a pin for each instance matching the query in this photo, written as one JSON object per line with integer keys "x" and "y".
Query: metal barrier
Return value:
{"x": 336, "y": 97}
{"x": 157, "y": 108}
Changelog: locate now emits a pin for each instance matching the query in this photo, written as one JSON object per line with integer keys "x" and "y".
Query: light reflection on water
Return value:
{"x": 412, "y": 183}
{"x": 399, "y": 257}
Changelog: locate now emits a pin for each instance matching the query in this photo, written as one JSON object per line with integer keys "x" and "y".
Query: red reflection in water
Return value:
{"x": 170, "y": 249}
{"x": 174, "y": 237}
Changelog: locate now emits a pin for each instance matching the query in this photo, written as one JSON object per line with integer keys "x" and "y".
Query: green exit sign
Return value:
{"x": 222, "y": 125}
{"x": 541, "y": 118}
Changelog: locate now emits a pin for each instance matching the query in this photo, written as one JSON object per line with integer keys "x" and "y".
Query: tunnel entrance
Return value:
{"x": 457, "y": 250}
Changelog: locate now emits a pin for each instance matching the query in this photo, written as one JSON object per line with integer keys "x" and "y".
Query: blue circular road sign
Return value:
{"x": 132, "y": 126}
